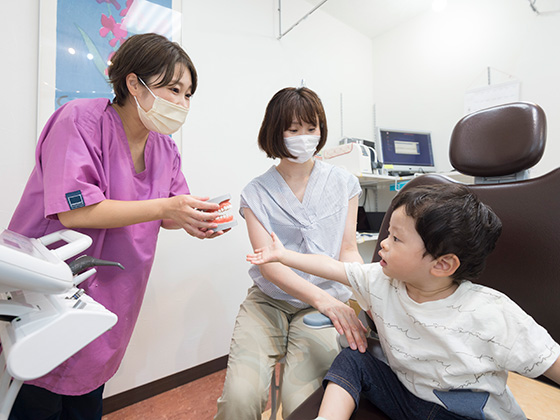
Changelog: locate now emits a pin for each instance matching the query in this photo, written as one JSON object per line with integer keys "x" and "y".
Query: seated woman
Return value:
{"x": 312, "y": 207}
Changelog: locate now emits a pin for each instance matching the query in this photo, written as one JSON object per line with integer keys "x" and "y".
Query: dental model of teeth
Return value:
{"x": 225, "y": 219}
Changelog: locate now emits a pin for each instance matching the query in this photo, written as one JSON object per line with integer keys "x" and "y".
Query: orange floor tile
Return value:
{"x": 197, "y": 401}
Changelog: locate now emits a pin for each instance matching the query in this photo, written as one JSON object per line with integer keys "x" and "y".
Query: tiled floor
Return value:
{"x": 197, "y": 401}
{"x": 538, "y": 400}
{"x": 193, "y": 401}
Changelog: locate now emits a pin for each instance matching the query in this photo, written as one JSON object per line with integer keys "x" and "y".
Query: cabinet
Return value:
{"x": 378, "y": 191}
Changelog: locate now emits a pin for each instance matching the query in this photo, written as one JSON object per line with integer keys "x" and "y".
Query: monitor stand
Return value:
{"x": 401, "y": 173}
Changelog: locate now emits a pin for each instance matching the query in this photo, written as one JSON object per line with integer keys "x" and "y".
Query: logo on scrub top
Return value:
{"x": 75, "y": 199}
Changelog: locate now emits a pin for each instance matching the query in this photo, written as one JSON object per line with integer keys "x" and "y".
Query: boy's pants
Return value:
{"x": 265, "y": 331}
{"x": 362, "y": 373}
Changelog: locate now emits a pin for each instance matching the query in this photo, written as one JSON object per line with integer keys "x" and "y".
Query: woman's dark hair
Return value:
{"x": 451, "y": 219}
{"x": 147, "y": 55}
{"x": 286, "y": 106}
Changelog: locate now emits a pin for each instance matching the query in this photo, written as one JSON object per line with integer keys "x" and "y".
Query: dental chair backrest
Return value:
{"x": 496, "y": 145}
{"x": 492, "y": 145}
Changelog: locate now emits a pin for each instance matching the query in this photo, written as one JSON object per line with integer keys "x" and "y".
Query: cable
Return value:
{"x": 532, "y": 4}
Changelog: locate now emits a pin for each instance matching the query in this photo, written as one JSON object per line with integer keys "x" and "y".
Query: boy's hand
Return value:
{"x": 271, "y": 253}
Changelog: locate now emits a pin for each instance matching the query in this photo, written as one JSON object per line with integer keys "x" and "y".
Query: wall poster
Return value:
{"x": 77, "y": 39}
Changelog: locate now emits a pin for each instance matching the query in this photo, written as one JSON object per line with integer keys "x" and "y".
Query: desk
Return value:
{"x": 367, "y": 180}
{"x": 362, "y": 237}
{"x": 379, "y": 190}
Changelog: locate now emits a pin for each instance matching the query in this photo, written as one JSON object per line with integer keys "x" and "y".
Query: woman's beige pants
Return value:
{"x": 265, "y": 331}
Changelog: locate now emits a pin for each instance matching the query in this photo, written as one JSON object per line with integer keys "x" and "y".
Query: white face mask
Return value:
{"x": 164, "y": 117}
{"x": 302, "y": 147}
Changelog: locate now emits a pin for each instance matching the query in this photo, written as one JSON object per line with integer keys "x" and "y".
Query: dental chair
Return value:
{"x": 498, "y": 146}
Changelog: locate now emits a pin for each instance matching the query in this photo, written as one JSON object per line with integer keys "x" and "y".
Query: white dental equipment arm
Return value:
{"x": 44, "y": 317}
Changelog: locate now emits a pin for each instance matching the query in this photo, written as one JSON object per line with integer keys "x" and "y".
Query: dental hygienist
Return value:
{"x": 110, "y": 170}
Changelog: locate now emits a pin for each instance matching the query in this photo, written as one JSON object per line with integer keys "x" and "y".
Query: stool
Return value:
{"x": 276, "y": 388}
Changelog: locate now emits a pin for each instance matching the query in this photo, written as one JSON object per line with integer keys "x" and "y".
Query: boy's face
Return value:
{"x": 402, "y": 252}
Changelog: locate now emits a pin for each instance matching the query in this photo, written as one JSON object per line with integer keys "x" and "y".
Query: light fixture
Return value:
{"x": 533, "y": 4}
{"x": 71, "y": 50}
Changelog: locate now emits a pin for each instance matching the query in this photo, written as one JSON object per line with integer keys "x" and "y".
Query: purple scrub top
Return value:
{"x": 83, "y": 158}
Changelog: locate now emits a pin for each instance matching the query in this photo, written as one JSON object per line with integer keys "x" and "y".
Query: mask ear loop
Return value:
{"x": 157, "y": 98}
{"x": 149, "y": 90}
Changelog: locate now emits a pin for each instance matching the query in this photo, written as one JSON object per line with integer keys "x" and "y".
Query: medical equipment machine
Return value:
{"x": 45, "y": 318}
{"x": 356, "y": 158}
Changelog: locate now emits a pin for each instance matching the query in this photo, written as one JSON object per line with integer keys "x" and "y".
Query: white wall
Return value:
{"x": 18, "y": 114}
{"x": 196, "y": 286}
{"x": 423, "y": 68}
{"x": 420, "y": 73}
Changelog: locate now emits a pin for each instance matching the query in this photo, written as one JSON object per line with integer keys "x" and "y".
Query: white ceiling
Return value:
{"x": 373, "y": 17}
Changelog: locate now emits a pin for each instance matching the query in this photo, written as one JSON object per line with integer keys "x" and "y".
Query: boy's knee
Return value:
{"x": 350, "y": 360}
{"x": 350, "y": 356}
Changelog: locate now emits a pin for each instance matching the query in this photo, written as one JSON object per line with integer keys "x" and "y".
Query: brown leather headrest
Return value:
{"x": 499, "y": 141}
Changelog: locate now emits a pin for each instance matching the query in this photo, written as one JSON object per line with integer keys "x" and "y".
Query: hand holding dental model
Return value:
{"x": 198, "y": 216}
{"x": 224, "y": 220}
{"x": 193, "y": 213}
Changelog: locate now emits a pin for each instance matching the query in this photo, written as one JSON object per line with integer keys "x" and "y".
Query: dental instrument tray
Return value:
{"x": 27, "y": 263}
{"x": 45, "y": 318}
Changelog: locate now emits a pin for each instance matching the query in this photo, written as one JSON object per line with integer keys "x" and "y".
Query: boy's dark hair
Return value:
{"x": 287, "y": 105}
{"x": 147, "y": 55}
{"x": 451, "y": 219}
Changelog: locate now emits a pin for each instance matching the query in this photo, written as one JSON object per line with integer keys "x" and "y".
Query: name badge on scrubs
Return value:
{"x": 75, "y": 199}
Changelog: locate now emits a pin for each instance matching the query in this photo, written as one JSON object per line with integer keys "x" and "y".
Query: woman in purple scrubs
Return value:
{"x": 110, "y": 170}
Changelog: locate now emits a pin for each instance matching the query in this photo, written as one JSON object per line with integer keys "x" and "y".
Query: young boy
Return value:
{"x": 449, "y": 343}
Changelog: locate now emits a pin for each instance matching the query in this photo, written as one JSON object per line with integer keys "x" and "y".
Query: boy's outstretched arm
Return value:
{"x": 554, "y": 372}
{"x": 318, "y": 265}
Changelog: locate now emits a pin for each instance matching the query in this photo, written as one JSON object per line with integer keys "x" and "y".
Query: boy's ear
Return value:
{"x": 445, "y": 265}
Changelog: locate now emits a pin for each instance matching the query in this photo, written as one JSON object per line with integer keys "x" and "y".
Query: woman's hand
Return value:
{"x": 346, "y": 323}
{"x": 193, "y": 214}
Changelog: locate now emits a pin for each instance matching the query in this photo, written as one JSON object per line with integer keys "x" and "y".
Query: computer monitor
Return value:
{"x": 405, "y": 152}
